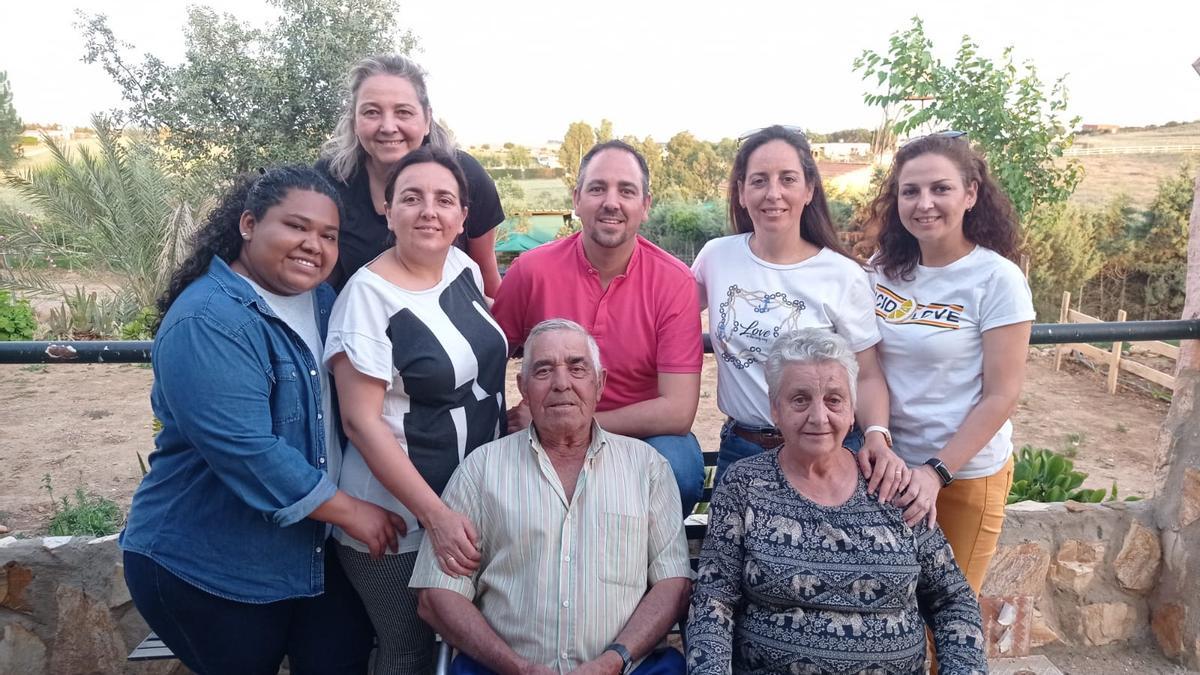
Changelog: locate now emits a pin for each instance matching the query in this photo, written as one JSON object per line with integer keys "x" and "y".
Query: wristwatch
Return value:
{"x": 941, "y": 469}
{"x": 623, "y": 652}
{"x": 887, "y": 435}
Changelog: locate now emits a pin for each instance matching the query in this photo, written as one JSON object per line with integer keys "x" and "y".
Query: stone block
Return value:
{"x": 1078, "y": 551}
{"x": 16, "y": 580}
{"x": 1041, "y": 633}
{"x": 21, "y": 651}
{"x": 1020, "y": 569}
{"x": 1166, "y": 622}
{"x": 118, "y": 591}
{"x": 1073, "y": 576}
{"x": 1189, "y": 503}
{"x": 1006, "y": 624}
{"x": 1106, "y": 622}
{"x": 1138, "y": 564}
{"x": 86, "y": 640}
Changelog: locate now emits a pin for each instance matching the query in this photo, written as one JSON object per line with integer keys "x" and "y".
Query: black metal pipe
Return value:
{"x": 98, "y": 351}
{"x": 1043, "y": 334}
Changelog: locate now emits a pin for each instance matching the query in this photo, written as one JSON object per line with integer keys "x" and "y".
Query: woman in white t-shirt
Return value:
{"x": 784, "y": 269}
{"x": 954, "y": 314}
{"x": 419, "y": 366}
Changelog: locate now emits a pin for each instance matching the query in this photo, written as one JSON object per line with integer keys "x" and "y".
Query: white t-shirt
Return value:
{"x": 443, "y": 359}
{"x": 932, "y": 350}
{"x": 751, "y": 302}
{"x": 299, "y": 312}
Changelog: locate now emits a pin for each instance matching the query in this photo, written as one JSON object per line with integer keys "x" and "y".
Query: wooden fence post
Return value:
{"x": 1062, "y": 318}
{"x": 1114, "y": 361}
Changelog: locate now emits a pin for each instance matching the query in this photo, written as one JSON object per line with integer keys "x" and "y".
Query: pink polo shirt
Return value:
{"x": 646, "y": 323}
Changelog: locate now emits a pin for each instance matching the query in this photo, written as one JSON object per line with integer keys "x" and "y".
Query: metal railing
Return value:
{"x": 1043, "y": 334}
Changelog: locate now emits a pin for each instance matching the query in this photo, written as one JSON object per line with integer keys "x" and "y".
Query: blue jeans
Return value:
{"x": 683, "y": 454}
{"x": 734, "y": 447}
{"x": 328, "y": 633}
{"x": 667, "y": 661}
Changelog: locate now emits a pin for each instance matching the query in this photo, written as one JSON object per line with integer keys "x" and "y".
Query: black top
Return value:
{"x": 364, "y": 232}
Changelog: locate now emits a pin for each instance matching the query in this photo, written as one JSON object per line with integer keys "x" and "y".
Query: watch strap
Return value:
{"x": 626, "y": 658}
{"x": 940, "y": 468}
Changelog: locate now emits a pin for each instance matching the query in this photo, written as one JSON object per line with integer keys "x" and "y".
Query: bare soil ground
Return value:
{"x": 85, "y": 425}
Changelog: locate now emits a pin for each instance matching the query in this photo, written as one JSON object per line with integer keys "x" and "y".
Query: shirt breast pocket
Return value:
{"x": 285, "y": 393}
{"x": 623, "y": 538}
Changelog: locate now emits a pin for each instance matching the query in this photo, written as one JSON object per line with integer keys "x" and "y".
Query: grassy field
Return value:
{"x": 1138, "y": 176}
{"x": 546, "y": 191}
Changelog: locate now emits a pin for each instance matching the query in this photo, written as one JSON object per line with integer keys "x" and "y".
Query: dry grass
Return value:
{"x": 1105, "y": 176}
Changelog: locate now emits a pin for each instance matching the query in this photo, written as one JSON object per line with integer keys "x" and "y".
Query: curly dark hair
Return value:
{"x": 816, "y": 227}
{"x": 991, "y": 222}
{"x": 220, "y": 237}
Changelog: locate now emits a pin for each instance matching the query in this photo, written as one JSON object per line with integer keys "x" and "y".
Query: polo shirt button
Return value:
{"x": 312, "y": 372}
{"x": 564, "y": 655}
{"x": 567, "y": 558}
{"x": 566, "y": 603}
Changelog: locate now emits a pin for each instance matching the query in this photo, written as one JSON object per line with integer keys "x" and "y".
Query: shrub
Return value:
{"x": 84, "y": 316}
{"x": 87, "y": 516}
{"x": 1042, "y": 475}
{"x": 140, "y": 327}
{"x": 17, "y": 321}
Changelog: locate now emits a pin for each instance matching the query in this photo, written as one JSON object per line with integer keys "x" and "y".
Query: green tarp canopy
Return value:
{"x": 540, "y": 229}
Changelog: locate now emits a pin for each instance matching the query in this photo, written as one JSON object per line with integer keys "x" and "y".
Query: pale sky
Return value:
{"x": 522, "y": 70}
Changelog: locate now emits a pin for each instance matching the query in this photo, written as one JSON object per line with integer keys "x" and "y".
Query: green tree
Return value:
{"x": 10, "y": 125}
{"x": 248, "y": 96}
{"x": 518, "y": 156}
{"x": 604, "y": 134}
{"x": 1063, "y": 248}
{"x": 1005, "y": 108}
{"x": 580, "y": 138}
{"x": 1161, "y": 253}
{"x": 693, "y": 169}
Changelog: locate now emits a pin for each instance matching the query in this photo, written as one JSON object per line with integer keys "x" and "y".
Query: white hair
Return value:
{"x": 551, "y": 325}
{"x": 809, "y": 345}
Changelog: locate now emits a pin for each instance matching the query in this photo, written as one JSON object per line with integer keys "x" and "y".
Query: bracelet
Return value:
{"x": 887, "y": 435}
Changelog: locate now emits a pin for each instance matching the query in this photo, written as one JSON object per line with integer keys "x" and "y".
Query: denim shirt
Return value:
{"x": 241, "y": 460}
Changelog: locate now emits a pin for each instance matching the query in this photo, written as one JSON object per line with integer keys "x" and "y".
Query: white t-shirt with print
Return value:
{"x": 751, "y": 302}
{"x": 932, "y": 350}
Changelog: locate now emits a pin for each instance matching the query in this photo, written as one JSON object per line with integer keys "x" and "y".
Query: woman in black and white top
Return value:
{"x": 419, "y": 366}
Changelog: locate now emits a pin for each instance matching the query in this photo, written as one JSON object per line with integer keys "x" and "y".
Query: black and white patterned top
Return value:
{"x": 789, "y": 586}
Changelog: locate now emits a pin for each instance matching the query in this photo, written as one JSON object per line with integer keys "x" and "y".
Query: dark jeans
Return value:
{"x": 329, "y": 633}
{"x": 734, "y": 447}
{"x": 667, "y": 661}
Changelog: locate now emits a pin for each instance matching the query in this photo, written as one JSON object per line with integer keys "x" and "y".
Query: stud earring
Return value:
{"x": 246, "y": 236}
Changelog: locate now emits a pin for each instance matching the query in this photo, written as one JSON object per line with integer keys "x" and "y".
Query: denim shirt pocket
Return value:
{"x": 285, "y": 392}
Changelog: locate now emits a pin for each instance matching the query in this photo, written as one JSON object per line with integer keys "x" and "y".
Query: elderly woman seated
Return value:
{"x": 802, "y": 571}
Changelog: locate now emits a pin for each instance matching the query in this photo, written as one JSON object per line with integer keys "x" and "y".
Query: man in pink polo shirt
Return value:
{"x": 636, "y": 300}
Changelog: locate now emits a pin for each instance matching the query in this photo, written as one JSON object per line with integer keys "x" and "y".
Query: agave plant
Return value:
{"x": 113, "y": 208}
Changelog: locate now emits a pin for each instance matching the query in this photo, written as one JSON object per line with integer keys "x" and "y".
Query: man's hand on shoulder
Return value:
{"x": 519, "y": 417}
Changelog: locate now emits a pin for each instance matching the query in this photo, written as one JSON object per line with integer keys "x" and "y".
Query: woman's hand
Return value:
{"x": 919, "y": 500}
{"x": 455, "y": 542}
{"x": 886, "y": 473}
{"x": 374, "y": 526}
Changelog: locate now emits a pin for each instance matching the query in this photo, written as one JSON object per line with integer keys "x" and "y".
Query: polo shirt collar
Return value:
{"x": 586, "y": 265}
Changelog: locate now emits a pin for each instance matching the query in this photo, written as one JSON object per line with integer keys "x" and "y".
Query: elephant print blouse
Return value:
{"x": 786, "y": 585}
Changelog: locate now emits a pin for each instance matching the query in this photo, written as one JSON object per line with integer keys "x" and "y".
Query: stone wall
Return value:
{"x": 1079, "y": 574}
{"x": 65, "y": 609}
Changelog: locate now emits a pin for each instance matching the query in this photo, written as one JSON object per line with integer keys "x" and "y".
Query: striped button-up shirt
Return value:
{"x": 560, "y": 577}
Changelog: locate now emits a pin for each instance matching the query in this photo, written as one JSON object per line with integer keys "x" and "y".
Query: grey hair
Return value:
{"x": 809, "y": 345}
{"x": 551, "y": 325}
{"x": 342, "y": 149}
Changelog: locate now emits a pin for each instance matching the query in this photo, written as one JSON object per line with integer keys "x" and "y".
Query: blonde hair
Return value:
{"x": 343, "y": 149}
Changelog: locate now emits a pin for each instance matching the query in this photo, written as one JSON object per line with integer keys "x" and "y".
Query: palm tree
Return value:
{"x": 113, "y": 208}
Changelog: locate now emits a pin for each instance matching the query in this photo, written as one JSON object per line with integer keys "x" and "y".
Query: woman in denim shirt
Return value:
{"x": 226, "y": 552}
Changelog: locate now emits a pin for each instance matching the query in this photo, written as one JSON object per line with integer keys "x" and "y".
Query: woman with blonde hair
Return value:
{"x": 388, "y": 116}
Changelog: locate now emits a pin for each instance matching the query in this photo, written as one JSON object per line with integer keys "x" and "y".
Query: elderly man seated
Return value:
{"x": 584, "y": 560}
